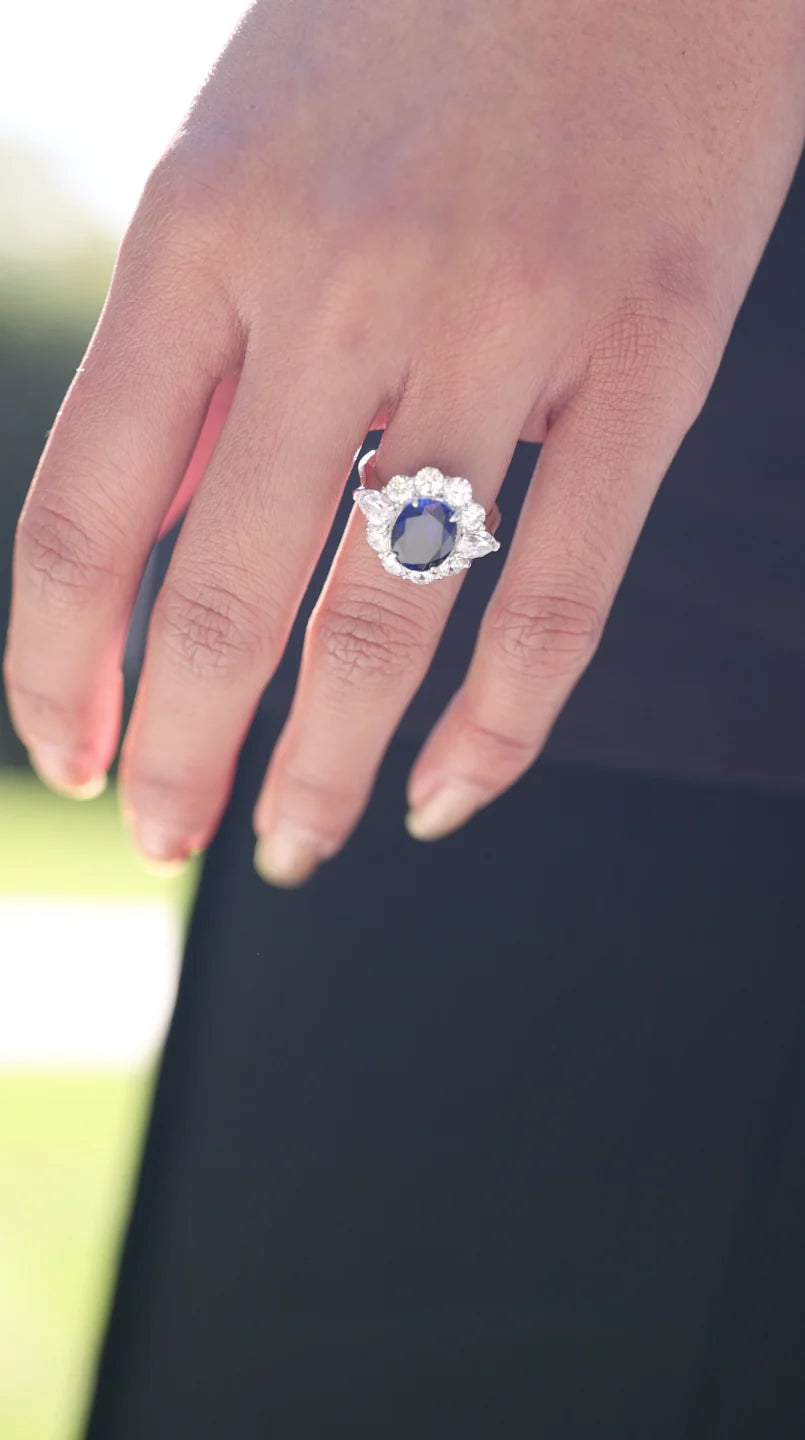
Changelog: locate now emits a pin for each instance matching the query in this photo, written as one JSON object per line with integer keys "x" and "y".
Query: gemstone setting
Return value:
{"x": 424, "y": 526}
{"x": 424, "y": 533}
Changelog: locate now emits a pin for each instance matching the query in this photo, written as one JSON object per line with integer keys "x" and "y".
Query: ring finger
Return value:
{"x": 370, "y": 641}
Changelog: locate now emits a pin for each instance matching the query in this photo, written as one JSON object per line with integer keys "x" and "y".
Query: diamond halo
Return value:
{"x": 384, "y": 507}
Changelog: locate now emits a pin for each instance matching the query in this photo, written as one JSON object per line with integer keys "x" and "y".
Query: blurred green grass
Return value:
{"x": 53, "y": 846}
{"x": 68, "y": 1140}
{"x": 67, "y": 1147}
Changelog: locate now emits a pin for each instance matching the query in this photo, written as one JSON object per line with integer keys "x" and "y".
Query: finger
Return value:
{"x": 115, "y": 459}
{"x": 596, "y": 477}
{"x": 368, "y": 646}
{"x": 240, "y": 568}
{"x": 208, "y": 437}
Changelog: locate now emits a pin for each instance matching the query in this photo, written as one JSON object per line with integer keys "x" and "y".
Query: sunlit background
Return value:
{"x": 89, "y": 945}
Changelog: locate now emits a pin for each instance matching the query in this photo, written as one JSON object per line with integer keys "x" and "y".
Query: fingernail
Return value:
{"x": 443, "y": 811}
{"x": 287, "y": 856}
{"x": 58, "y": 770}
{"x": 162, "y": 850}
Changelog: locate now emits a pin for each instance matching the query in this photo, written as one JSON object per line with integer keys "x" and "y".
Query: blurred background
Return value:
{"x": 89, "y": 944}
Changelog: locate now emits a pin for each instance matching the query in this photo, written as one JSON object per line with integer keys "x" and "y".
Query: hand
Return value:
{"x": 466, "y": 224}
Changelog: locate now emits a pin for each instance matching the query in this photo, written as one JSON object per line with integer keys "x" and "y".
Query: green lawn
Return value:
{"x": 68, "y": 1141}
{"x": 66, "y": 847}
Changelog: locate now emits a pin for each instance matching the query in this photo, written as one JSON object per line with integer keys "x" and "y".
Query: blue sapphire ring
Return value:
{"x": 424, "y": 526}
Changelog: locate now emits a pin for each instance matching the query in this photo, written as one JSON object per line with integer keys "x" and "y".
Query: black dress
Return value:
{"x": 505, "y": 1136}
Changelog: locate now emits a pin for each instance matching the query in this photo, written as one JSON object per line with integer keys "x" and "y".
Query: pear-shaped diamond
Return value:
{"x": 477, "y": 543}
{"x": 372, "y": 503}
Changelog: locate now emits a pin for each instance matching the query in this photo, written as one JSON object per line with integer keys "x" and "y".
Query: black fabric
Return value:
{"x": 499, "y": 1137}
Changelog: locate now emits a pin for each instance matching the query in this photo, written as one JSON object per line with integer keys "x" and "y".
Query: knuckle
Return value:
{"x": 42, "y": 717}
{"x": 210, "y": 631}
{"x": 183, "y": 219}
{"x": 684, "y": 275}
{"x": 186, "y": 791}
{"x": 628, "y": 339}
{"x": 182, "y": 194}
{"x": 170, "y": 254}
{"x": 546, "y": 636}
{"x": 365, "y": 641}
{"x": 661, "y": 341}
{"x": 325, "y": 801}
{"x": 500, "y": 753}
{"x": 67, "y": 565}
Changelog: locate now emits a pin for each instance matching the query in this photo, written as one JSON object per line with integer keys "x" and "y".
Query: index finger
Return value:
{"x": 112, "y": 465}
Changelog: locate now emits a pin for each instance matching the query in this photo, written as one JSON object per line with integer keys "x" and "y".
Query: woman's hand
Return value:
{"x": 467, "y": 223}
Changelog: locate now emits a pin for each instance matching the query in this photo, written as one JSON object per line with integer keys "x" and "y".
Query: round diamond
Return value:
{"x": 424, "y": 534}
{"x": 457, "y": 490}
{"x": 474, "y": 516}
{"x": 400, "y": 487}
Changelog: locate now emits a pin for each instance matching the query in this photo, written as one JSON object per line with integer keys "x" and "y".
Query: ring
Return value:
{"x": 425, "y": 526}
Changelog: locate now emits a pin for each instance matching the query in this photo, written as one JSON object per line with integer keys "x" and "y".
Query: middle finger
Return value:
{"x": 370, "y": 641}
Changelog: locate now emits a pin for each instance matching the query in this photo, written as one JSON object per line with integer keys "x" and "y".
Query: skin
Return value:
{"x": 465, "y": 223}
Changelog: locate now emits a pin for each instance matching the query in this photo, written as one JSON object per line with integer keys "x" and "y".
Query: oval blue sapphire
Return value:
{"x": 424, "y": 534}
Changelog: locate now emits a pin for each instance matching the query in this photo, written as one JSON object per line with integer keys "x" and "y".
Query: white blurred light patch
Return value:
{"x": 100, "y": 88}
{"x": 85, "y": 983}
